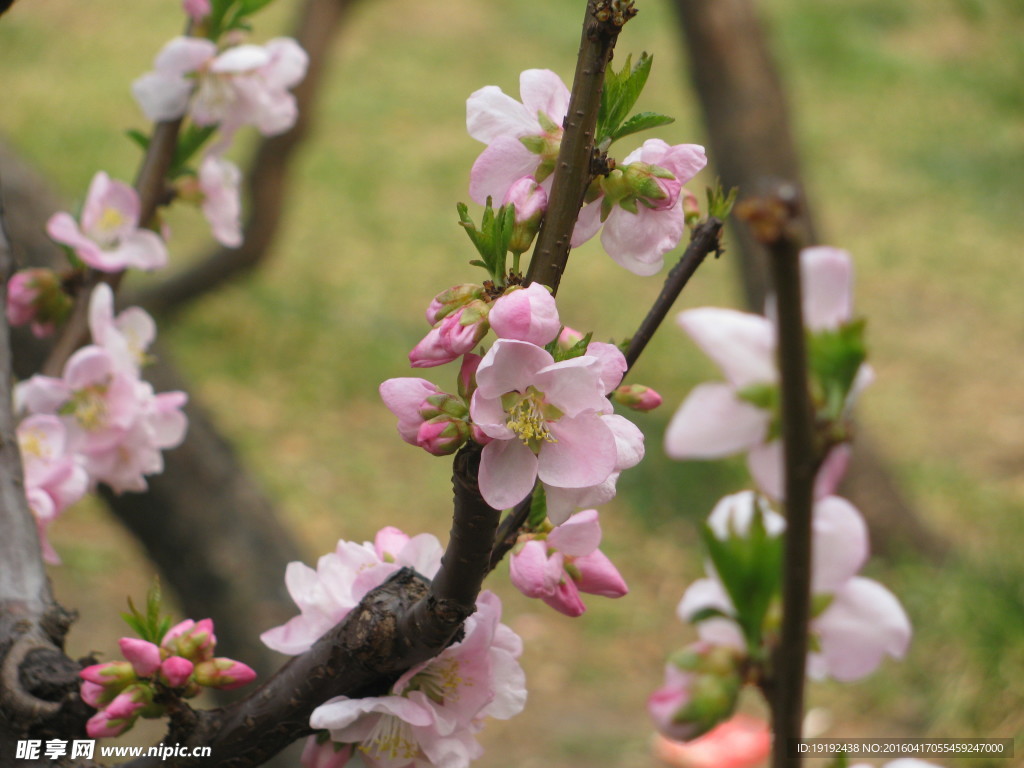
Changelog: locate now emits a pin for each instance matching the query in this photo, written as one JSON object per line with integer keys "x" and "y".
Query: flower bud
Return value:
{"x": 526, "y": 314}
{"x": 193, "y": 640}
{"x": 175, "y": 671}
{"x": 121, "y": 713}
{"x": 111, "y": 675}
{"x": 442, "y": 435}
{"x": 657, "y": 187}
{"x": 223, "y": 673}
{"x": 691, "y": 208}
{"x": 452, "y": 337}
{"x": 449, "y": 300}
{"x": 702, "y": 685}
{"x": 467, "y": 375}
{"x": 530, "y": 201}
{"x": 36, "y": 296}
{"x": 637, "y": 396}
{"x": 196, "y": 9}
{"x": 144, "y": 656}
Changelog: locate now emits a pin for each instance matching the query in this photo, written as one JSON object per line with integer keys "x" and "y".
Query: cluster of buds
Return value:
{"x": 37, "y": 296}
{"x": 183, "y": 663}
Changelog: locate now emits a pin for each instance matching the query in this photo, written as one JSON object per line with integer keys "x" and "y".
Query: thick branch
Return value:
{"x": 706, "y": 239}
{"x": 573, "y": 170}
{"x": 773, "y": 221}
{"x": 266, "y": 179}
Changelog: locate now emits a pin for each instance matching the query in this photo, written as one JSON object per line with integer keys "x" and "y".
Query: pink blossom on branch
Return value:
{"x": 108, "y": 237}
{"x": 556, "y": 568}
{"x": 526, "y": 314}
{"x": 36, "y": 297}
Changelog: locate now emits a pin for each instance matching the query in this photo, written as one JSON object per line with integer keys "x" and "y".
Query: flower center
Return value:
{"x": 89, "y": 407}
{"x": 440, "y": 681}
{"x": 32, "y": 443}
{"x": 390, "y": 737}
{"x": 528, "y": 419}
{"x": 110, "y": 223}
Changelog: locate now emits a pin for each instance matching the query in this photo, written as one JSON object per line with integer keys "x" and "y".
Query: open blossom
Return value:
{"x": 522, "y": 138}
{"x": 433, "y": 712}
{"x": 108, "y": 237}
{"x": 642, "y": 206}
{"x": 719, "y": 419}
{"x": 243, "y": 85}
{"x": 861, "y": 621}
{"x": 342, "y": 578}
{"x": 219, "y": 180}
{"x": 127, "y": 336}
{"x": 566, "y": 562}
{"x": 546, "y": 420}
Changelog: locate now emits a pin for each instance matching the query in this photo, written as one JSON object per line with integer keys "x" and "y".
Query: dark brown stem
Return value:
{"x": 573, "y": 169}
{"x": 150, "y": 183}
{"x": 706, "y": 239}
{"x": 773, "y": 220}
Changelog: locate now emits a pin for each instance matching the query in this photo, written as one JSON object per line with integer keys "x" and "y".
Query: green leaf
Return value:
{"x": 763, "y": 396}
{"x": 834, "y": 358}
{"x": 641, "y": 121}
{"x": 138, "y": 137}
{"x": 576, "y": 350}
{"x": 189, "y": 142}
{"x": 538, "y": 509}
{"x": 621, "y": 90}
{"x": 709, "y": 613}
{"x": 251, "y": 6}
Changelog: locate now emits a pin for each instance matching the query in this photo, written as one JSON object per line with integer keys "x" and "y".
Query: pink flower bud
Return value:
{"x": 702, "y": 685}
{"x": 223, "y": 673}
{"x": 526, "y": 314}
{"x": 144, "y": 656}
{"x": 194, "y": 640}
{"x": 530, "y": 201}
{"x": 442, "y": 435}
{"x": 121, "y": 713}
{"x": 175, "y": 671}
{"x": 637, "y": 396}
{"x": 467, "y": 375}
{"x": 569, "y": 338}
{"x": 454, "y": 336}
{"x": 112, "y": 674}
{"x": 196, "y": 9}
{"x": 96, "y": 695}
{"x": 691, "y": 208}
{"x": 597, "y": 575}
{"x": 449, "y": 300}
{"x": 36, "y": 296}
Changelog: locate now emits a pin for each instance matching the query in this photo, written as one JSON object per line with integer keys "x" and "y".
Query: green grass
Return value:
{"x": 909, "y": 117}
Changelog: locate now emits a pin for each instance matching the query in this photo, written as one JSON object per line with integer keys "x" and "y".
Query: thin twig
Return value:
{"x": 706, "y": 239}
{"x": 774, "y": 221}
{"x": 573, "y": 169}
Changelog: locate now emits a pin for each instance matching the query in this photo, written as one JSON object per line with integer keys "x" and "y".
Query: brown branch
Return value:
{"x": 267, "y": 177}
{"x": 706, "y": 239}
{"x": 573, "y": 169}
{"x": 773, "y": 220}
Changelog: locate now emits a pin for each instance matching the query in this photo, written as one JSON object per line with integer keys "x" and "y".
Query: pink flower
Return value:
{"x": 567, "y": 562}
{"x": 126, "y": 337}
{"x": 218, "y": 181}
{"x": 861, "y": 622}
{"x": 342, "y": 578}
{"x": 109, "y": 238}
{"x": 720, "y": 419}
{"x": 526, "y": 314}
{"x": 453, "y": 336}
{"x": 427, "y": 417}
{"x": 642, "y": 208}
{"x": 546, "y": 420}
{"x": 36, "y": 296}
{"x": 435, "y": 709}
{"x": 522, "y": 138}
{"x": 243, "y": 85}
{"x": 196, "y": 9}
{"x": 740, "y": 742}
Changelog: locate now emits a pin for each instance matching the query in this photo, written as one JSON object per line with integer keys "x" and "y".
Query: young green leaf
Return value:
{"x": 641, "y": 121}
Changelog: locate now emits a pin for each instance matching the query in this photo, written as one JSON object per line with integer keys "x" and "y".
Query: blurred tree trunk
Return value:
{"x": 751, "y": 143}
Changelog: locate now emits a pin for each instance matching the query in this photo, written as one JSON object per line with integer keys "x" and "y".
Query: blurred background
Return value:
{"x": 909, "y": 120}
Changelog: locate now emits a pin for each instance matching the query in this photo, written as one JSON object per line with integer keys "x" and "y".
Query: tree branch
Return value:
{"x": 707, "y": 238}
{"x": 774, "y": 221}
{"x": 573, "y": 170}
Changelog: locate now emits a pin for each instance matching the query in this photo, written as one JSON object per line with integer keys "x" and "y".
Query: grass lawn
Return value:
{"x": 911, "y": 121}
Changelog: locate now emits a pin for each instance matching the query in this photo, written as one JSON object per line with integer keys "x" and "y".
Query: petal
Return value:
{"x": 864, "y": 623}
{"x": 288, "y": 63}
{"x": 639, "y": 241}
{"x": 161, "y": 96}
{"x": 491, "y": 113}
{"x": 509, "y": 366}
{"x": 543, "y": 91}
{"x": 840, "y": 544}
{"x": 765, "y": 463}
{"x": 740, "y": 343}
{"x": 562, "y": 502}
{"x": 733, "y": 514}
{"x": 566, "y": 599}
{"x": 828, "y": 287}
{"x": 579, "y": 535}
{"x": 629, "y": 441}
{"x": 712, "y": 423}
{"x": 241, "y": 59}
{"x": 611, "y": 364}
{"x": 184, "y": 54}
{"x": 583, "y": 455}
{"x": 533, "y": 573}
{"x": 587, "y": 224}
{"x": 498, "y": 167}
{"x": 573, "y": 386}
{"x": 599, "y": 576}
{"x": 508, "y": 470}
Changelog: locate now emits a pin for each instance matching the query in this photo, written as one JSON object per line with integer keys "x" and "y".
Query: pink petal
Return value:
{"x": 639, "y": 241}
{"x": 566, "y": 599}
{"x": 765, "y": 463}
{"x": 612, "y": 364}
{"x": 526, "y": 314}
{"x": 389, "y": 542}
{"x": 573, "y": 386}
{"x": 491, "y": 113}
{"x": 543, "y": 91}
{"x": 828, "y": 287}
{"x": 508, "y": 470}
{"x": 509, "y": 366}
{"x": 532, "y": 572}
{"x": 562, "y": 502}
{"x": 629, "y": 441}
{"x": 587, "y": 224}
{"x": 579, "y": 535}
{"x": 599, "y": 576}
{"x": 864, "y": 623}
{"x": 184, "y": 54}
{"x": 583, "y": 455}
{"x": 499, "y": 166}
{"x": 840, "y": 545}
{"x": 742, "y": 344}
{"x": 712, "y": 423}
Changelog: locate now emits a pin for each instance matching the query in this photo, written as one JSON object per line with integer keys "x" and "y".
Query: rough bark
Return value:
{"x": 752, "y": 145}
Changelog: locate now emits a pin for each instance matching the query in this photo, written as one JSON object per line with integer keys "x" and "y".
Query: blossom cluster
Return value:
{"x": 433, "y": 711}
{"x": 100, "y": 422}
{"x": 855, "y": 621}
{"x": 182, "y": 662}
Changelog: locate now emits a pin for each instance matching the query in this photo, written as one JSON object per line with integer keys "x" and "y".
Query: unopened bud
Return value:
{"x": 530, "y": 201}
{"x": 223, "y": 673}
{"x": 442, "y": 435}
{"x": 637, "y": 396}
{"x": 702, "y": 686}
{"x": 449, "y": 300}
